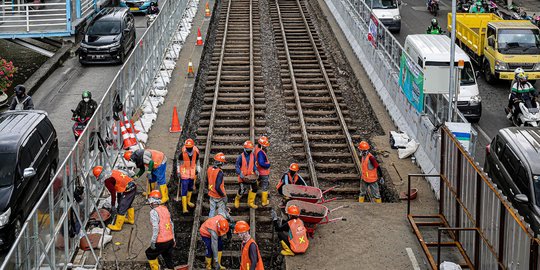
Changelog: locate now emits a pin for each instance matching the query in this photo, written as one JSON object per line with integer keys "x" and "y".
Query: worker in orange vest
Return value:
{"x": 251, "y": 257}
{"x": 247, "y": 173}
{"x": 211, "y": 232}
{"x": 119, "y": 183}
{"x": 156, "y": 162}
{"x": 290, "y": 177}
{"x": 369, "y": 182}
{"x": 292, "y": 233}
{"x": 216, "y": 186}
{"x": 162, "y": 242}
{"x": 188, "y": 169}
{"x": 263, "y": 167}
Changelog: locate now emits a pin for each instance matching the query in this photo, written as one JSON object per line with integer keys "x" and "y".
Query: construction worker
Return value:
{"x": 156, "y": 162}
{"x": 216, "y": 186}
{"x": 263, "y": 167}
{"x": 290, "y": 177}
{"x": 119, "y": 184}
{"x": 369, "y": 182}
{"x": 188, "y": 169}
{"x": 251, "y": 257}
{"x": 163, "y": 241}
{"x": 211, "y": 232}
{"x": 246, "y": 169}
{"x": 291, "y": 233}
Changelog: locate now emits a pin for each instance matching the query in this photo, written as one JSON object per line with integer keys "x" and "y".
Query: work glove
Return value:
{"x": 153, "y": 246}
{"x": 381, "y": 180}
{"x": 242, "y": 176}
{"x": 274, "y": 215}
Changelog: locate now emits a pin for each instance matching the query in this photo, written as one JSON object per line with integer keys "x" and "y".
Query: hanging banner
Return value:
{"x": 372, "y": 34}
{"x": 411, "y": 81}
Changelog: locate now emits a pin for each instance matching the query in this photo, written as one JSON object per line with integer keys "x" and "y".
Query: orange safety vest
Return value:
{"x": 247, "y": 169}
{"x": 245, "y": 262}
{"x": 262, "y": 171}
{"x": 165, "y": 233}
{"x": 189, "y": 167}
{"x": 157, "y": 157}
{"x": 291, "y": 179}
{"x": 211, "y": 224}
{"x": 368, "y": 175}
{"x": 121, "y": 180}
{"x": 212, "y": 176}
{"x": 298, "y": 239}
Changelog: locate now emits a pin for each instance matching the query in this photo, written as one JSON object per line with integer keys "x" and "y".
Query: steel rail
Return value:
{"x": 252, "y": 223}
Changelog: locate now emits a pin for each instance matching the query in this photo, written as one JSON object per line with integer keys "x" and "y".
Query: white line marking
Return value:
{"x": 414, "y": 262}
{"x": 482, "y": 132}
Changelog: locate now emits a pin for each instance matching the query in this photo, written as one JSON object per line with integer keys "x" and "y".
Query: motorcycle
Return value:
{"x": 536, "y": 20}
{"x": 433, "y": 7}
{"x": 150, "y": 18}
{"x": 79, "y": 126}
{"x": 529, "y": 115}
{"x": 435, "y": 31}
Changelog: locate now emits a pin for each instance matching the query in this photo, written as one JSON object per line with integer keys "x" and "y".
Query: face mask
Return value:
{"x": 364, "y": 153}
{"x": 20, "y": 94}
{"x": 86, "y": 99}
{"x": 248, "y": 151}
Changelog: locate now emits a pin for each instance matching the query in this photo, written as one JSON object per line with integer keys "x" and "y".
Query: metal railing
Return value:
{"x": 49, "y": 237}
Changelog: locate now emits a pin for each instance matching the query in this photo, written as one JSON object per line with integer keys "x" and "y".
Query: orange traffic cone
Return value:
{"x": 190, "y": 69}
{"x": 175, "y": 125}
{"x": 130, "y": 127}
{"x": 199, "y": 37}
{"x": 207, "y": 10}
{"x": 128, "y": 142}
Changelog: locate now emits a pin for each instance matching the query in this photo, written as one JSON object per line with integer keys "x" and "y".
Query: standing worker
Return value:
{"x": 156, "y": 162}
{"x": 163, "y": 241}
{"x": 119, "y": 183}
{"x": 211, "y": 232}
{"x": 216, "y": 186}
{"x": 246, "y": 169}
{"x": 291, "y": 177}
{"x": 263, "y": 167}
{"x": 292, "y": 233}
{"x": 188, "y": 169}
{"x": 369, "y": 182}
{"x": 251, "y": 257}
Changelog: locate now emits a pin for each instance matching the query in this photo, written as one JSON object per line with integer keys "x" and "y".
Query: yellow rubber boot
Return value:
{"x": 251, "y": 199}
{"x": 164, "y": 193}
{"x": 189, "y": 203}
{"x": 264, "y": 198}
{"x": 361, "y": 199}
{"x": 237, "y": 201}
{"x": 184, "y": 205}
{"x": 208, "y": 263}
{"x": 118, "y": 223}
{"x": 286, "y": 250}
{"x": 154, "y": 264}
{"x": 221, "y": 267}
{"x": 130, "y": 218}
{"x": 378, "y": 200}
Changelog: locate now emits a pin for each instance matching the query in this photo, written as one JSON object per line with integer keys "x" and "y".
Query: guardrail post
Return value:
{"x": 27, "y": 19}
{"x": 77, "y": 7}
{"x": 458, "y": 191}
{"x": 502, "y": 228}
{"x": 68, "y": 16}
{"x": 478, "y": 217}
{"x": 441, "y": 171}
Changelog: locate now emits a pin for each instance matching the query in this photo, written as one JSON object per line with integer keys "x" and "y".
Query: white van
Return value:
{"x": 387, "y": 11}
{"x": 432, "y": 53}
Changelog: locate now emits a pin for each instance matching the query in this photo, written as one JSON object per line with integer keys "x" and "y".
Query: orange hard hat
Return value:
{"x": 127, "y": 155}
{"x": 263, "y": 140}
{"x": 155, "y": 194}
{"x": 97, "y": 171}
{"x": 294, "y": 167}
{"x": 293, "y": 210}
{"x": 219, "y": 157}
{"x": 223, "y": 226}
{"x": 363, "y": 145}
{"x": 241, "y": 227}
{"x": 189, "y": 143}
{"x": 248, "y": 144}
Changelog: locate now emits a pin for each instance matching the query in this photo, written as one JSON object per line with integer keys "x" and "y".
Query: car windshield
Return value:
{"x": 382, "y": 4}
{"x": 467, "y": 75}
{"x": 7, "y": 168}
{"x": 519, "y": 41}
{"x": 105, "y": 28}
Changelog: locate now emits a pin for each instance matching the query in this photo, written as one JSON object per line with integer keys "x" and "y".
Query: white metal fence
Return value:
{"x": 49, "y": 237}
{"x": 32, "y": 17}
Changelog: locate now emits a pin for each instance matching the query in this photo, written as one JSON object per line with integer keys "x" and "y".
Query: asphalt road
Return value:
{"x": 414, "y": 20}
{"x": 62, "y": 91}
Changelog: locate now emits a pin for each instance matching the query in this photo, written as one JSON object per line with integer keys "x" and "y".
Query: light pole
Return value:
{"x": 452, "y": 85}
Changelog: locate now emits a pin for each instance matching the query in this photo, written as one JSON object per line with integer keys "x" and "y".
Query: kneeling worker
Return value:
{"x": 163, "y": 241}
{"x": 251, "y": 257}
{"x": 119, "y": 183}
{"x": 291, "y": 177}
{"x": 292, "y": 233}
{"x": 211, "y": 232}
{"x": 156, "y": 162}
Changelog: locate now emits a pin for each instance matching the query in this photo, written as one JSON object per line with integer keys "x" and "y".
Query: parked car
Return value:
{"x": 29, "y": 155}
{"x": 137, "y": 6}
{"x": 512, "y": 163}
{"x": 109, "y": 37}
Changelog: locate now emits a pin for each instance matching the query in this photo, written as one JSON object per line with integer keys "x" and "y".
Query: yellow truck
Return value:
{"x": 499, "y": 46}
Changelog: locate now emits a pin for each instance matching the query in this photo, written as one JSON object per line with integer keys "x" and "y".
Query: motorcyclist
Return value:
{"x": 21, "y": 101}
{"x": 87, "y": 106}
{"x": 153, "y": 9}
{"x": 434, "y": 28}
{"x": 477, "y": 7}
{"x": 520, "y": 88}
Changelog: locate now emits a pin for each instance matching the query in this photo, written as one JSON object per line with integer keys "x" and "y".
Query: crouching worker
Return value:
{"x": 290, "y": 177}
{"x": 212, "y": 231}
{"x": 156, "y": 162}
{"x": 122, "y": 189}
{"x": 251, "y": 257}
{"x": 163, "y": 241}
{"x": 292, "y": 233}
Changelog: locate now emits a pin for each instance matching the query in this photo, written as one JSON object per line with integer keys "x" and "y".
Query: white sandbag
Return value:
{"x": 139, "y": 126}
{"x": 142, "y": 137}
{"x": 148, "y": 117}
{"x": 105, "y": 203}
{"x": 169, "y": 64}
{"x": 449, "y": 266}
{"x": 157, "y": 101}
{"x": 107, "y": 238}
{"x": 165, "y": 76}
{"x": 398, "y": 139}
{"x": 409, "y": 149}
{"x": 159, "y": 93}
{"x": 159, "y": 84}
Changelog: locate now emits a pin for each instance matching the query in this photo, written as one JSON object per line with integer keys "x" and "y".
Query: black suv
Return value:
{"x": 109, "y": 37}
{"x": 29, "y": 158}
{"x": 512, "y": 162}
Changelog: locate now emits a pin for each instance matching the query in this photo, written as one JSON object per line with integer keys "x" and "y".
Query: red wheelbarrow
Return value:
{"x": 313, "y": 214}
{"x": 306, "y": 193}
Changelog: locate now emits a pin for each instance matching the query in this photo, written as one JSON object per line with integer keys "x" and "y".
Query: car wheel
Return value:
{"x": 122, "y": 57}
{"x": 487, "y": 73}
{"x": 52, "y": 172}
{"x": 17, "y": 227}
